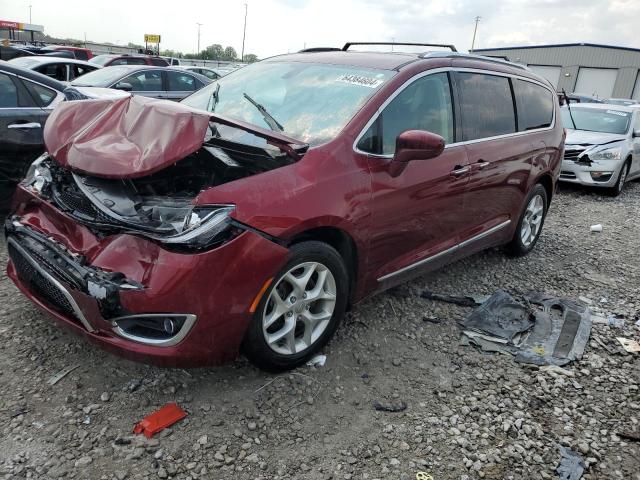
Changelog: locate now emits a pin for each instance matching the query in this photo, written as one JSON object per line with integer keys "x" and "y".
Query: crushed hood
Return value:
{"x": 135, "y": 136}
{"x": 583, "y": 137}
{"x": 131, "y": 136}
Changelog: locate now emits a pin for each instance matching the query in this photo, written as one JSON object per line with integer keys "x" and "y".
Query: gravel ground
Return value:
{"x": 470, "y": 415}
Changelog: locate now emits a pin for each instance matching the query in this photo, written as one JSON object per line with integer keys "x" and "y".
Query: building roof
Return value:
{"x": 558, "y": 45}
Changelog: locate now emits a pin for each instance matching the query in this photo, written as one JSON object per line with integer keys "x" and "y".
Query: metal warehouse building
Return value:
{"x": 599, "y": 70}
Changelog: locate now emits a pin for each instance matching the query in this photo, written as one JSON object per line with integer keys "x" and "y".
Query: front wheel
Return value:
{"x": 530, "y": 223}
{"x": 300, "y": 310}
{"x": 622, "y": 178}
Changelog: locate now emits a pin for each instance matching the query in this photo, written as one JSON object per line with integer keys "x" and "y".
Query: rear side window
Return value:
{"x": 54, "y": 70}
{"x": 42, "y": 95}
{"x": 180, "y": 82}
{"x": 8, "y": 92}
{"x": 81, "y": 55}
{"x": 79, "y": 70}
{"x": 423, "y": 105}
{"x": 159, "y": 62}
{"x": 486, "y": 104}
{"x": 535, "y": 105}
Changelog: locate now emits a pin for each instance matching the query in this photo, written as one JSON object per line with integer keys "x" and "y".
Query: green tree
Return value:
{"x": 229, "y": 54}
{"x": 250, "y": 58}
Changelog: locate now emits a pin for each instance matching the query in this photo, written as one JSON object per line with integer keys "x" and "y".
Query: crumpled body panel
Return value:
{"x": 125, "y": 137}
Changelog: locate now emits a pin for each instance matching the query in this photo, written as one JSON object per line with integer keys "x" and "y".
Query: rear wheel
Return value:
{"x": 622, "y": 178}
{"x": 301, "y": 310}
{"x": 530, "y": 223}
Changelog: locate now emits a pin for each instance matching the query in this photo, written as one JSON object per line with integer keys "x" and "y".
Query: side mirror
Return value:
{"x": 636, "y": 134}
{"x": 415, "y": 145}
{"x": 127, "y": 87}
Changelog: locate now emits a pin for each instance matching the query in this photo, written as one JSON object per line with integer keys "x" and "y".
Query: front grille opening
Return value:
{"x": 40, "y": 285}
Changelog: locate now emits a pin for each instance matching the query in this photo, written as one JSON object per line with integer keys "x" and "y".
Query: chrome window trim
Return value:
{"x": 55, "y": 282}
{"x": 420, "y": 75}
{"x": 435, "y": 256}
{"x": 189, "y": 321}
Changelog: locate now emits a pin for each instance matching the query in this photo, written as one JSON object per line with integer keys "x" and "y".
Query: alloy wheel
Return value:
{"x": 299, "y": 308}
{"x": 532, "y": 220}
{"x": 623, "y": 178}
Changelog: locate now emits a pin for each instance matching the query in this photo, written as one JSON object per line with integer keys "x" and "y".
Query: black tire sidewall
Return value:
{"x": 254, "y": 345}
{"x": 516, "y": 247}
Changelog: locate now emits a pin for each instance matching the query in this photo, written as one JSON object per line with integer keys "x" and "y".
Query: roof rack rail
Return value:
{"x": 472, "y": 56}
{"x": 320, "y": 49}
{"x": 441, "y": 45}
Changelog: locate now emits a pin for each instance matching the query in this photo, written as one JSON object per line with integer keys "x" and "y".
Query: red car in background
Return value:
{"x": 109, "y": 59}
{"x": 79, "y": 52}
{"x": 252, "y": 215}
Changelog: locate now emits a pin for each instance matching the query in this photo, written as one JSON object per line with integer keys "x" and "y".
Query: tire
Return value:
{"x": 518, "y": 246}
{"x": 622, "y": 177}
{"x": 277, "y": 341}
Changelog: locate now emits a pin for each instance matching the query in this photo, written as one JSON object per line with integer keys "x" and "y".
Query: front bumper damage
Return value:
{"x": 95, "y": 284}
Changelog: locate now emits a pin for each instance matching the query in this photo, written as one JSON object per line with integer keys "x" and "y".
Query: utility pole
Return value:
{"x": 29, "y": 13}
{"x": 475, "y": 30}
{"x": 244, "y": 33}
{"x": 199, "y": 25}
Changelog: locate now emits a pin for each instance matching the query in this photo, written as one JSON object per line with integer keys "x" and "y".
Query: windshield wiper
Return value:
{"x": 268, "y": 118}
{"x": 213, "y": 99}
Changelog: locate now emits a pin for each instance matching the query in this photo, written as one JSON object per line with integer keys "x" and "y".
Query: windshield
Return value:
{"x": 596, "y": 120}
{"x": 306, "y": 101}
{"x": 101, "y": 59}
{"x": 25, "y": 62}
{"x": 103, "y": 77}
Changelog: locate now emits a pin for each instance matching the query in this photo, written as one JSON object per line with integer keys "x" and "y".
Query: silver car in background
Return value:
{"x": 602, "y": 148}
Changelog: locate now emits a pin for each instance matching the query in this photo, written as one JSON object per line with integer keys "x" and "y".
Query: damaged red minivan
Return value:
{"x": 253, "y": 214}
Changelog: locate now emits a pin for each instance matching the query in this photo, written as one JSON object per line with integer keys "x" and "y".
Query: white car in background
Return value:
{"x": 58, "y": 68}
{"x": 210, "y": 73}
{"x": 602, "y": 148}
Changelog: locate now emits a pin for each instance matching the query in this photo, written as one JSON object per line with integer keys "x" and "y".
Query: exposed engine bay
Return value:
{"x": 160, "y": 205}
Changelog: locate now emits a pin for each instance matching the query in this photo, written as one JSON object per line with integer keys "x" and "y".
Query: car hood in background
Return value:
{"x": 583, "y": 137}
{"x": 135, "y": 136}
{"x": 74, "y": 92}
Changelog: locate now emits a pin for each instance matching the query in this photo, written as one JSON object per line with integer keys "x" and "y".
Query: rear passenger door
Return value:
{"x": 180, "y": 84}
{"x": 499, "y": 158}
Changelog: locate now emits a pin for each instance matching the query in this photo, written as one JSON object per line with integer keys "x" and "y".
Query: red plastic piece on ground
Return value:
{"x": 158, "y": 421}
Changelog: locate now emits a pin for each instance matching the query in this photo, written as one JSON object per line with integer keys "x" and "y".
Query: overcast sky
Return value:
{"x": 279, "y": 26}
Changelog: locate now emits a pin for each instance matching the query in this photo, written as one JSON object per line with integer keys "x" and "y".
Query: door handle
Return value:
{"x": 480, "y": 164}
{"x": 24, "y": 126}
{"x": 460, "y": 170}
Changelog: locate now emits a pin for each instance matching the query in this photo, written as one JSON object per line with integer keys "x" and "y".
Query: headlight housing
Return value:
{"x": 614, "y": 153}
{"x": 38, "y": 174}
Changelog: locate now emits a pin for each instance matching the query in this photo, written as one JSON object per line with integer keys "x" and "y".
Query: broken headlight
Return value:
{"x": 38, "y": 174}
{"x": 202, "y": 227}
{"x": 607, "y": 154}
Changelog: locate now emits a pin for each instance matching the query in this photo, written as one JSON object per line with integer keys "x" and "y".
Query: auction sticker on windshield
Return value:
{"x": 361, "y": 80}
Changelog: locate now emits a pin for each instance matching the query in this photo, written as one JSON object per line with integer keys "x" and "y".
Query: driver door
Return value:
{"x": 417, "y": 215}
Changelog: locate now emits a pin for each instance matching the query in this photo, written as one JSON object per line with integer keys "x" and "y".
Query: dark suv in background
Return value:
{"x": 252, "y": 214}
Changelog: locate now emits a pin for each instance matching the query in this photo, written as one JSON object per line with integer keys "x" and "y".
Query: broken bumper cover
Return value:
{"x": 607, "y": 170}
{"x": 202, "y": 298}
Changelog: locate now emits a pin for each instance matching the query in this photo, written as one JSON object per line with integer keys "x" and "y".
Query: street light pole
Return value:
{"x": 473, "y": 42}
{"x": 244, "y": 33}
{"x": 29, "y": 13}
{"x": 199, "y": 25}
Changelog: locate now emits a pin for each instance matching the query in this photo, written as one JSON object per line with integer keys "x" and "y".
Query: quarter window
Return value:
{"x": 535, "y": 105}
{"x": 424, "y": 105}
{"x": 486, "y": 104}
{"x": 42, "y": 95}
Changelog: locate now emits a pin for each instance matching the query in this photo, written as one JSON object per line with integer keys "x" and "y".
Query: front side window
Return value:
{"x": 486, "y": 105}
{"x": 181, "y": 82}
{"x": 311, "y": 102}
{"x": 145, "y": 81}
{"x": 79, "y": 70}
{"x": 535, "y": 105}
{"x": 424, "y": 105}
